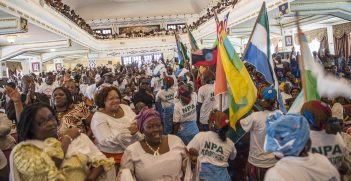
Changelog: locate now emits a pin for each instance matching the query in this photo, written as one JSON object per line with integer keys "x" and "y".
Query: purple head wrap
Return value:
{"x": 145, "y": 115}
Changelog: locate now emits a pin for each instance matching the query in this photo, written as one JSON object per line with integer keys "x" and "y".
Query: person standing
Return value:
{"x": 114, "y": 124}
{"x": 206, "y": 99}
{"x": 211, "y": 150}
{"x": 184, "y": 116}
{"x": 156, "y": 156}
{"x": 166, "y": 97}
{"x": 326, "y": 140}
{"x": 288, "y": 137}
{"x": 48, "y": 87}
{"x": 259, "y": 161}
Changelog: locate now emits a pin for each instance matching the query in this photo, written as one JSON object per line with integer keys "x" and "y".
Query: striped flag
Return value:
{"x": 181, "y": 49}
{"x": 258, "y": 52}
{"x": 310, "y": 81}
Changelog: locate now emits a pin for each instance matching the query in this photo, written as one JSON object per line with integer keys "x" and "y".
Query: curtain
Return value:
{"x": 342, "y": 45}
{"x": 322, "y": 46}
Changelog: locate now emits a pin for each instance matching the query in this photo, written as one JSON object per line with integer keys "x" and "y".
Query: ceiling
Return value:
{"x": 34, "y": 35}
{"x": 105, "y": 9}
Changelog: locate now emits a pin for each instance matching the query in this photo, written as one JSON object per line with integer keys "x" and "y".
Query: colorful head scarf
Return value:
{"x": 269, "y": 93}
{"x": 287, "y": 135}
{"x": 169, "y": 81}
{"x": 218, "y": 119}
{"x": 316, "y": 112}
{"x": 146, "y": 114}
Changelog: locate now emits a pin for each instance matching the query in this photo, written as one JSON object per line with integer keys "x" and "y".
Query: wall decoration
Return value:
{"x": 36, "y": 67}
{"x": 288, "y": 41}
{"x": 145, "y": 29}
{"x": 58, "y": 66}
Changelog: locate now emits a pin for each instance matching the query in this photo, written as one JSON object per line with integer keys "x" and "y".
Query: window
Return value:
{"x": 105, "y": 31}
{"x": 175, "y": 26}
{"x": 141, "y": 59}
{"x": 157, "y": 56}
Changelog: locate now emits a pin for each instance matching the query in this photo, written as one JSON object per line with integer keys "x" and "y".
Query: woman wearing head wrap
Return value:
{"x": 288, "y": 138}
{"x": 166, "y": 97}
{"x": 205, "y": 98}
{"x": 325, "y": 136}
{"x": 184, "y": 116}
{"x": 212, "y": 149}
{"x": 156, "y": 157}
{"x": 259, "y": 161}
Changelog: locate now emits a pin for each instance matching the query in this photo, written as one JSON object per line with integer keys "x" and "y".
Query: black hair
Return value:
{"x": 12, "y": 85}
{"x": 25, "y": 124}
{"x": 101, "y": 96}
{"x": 68, "y": 96}
{"x": 222, "y": 133}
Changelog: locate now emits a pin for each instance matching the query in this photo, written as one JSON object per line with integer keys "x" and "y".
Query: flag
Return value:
{"x": 181, "y": 49}
{"x": 204, "y": 57}
{"x": 225, "y": 22}
{"x": 310, "y": 80}
{"x": 221, "y": 80}
{"x": 242, "y": 91}
{"x": 297, "y": 104}
{"x": 192, "y": 40}
{"x": 258, "y": 52}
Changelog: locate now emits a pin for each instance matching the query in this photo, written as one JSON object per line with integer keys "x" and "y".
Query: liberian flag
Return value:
{"x": 204, "y": 57}
{"x": 258, "y": 52}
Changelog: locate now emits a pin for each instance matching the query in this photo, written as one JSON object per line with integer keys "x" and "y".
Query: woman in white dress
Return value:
{"x": 157, "y": 156}
{"x": 113, "y": 125}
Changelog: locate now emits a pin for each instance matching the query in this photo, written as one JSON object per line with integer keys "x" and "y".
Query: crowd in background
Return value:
{"x": 66, "y": 10}
{"x": 161, "y": 121}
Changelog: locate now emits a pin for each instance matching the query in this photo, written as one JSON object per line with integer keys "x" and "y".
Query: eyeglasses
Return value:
{"x": 144, "y": 83}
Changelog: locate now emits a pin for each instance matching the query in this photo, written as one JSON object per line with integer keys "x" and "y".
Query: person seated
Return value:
{"x": 42, "y": 155}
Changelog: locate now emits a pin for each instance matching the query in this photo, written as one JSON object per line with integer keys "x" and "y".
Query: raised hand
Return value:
{"x": 13, "y": 94}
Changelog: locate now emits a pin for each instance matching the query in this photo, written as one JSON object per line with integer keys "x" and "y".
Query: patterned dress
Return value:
{"x": 74, "y": 118}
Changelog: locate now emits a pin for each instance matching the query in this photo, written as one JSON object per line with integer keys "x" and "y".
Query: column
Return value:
{"x": 330, "y": 34}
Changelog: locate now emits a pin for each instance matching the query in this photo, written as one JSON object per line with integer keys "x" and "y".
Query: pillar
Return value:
{"x": 330, "y": 34}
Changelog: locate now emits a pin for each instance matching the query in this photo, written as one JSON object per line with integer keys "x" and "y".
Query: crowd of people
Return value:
{"x": 136, "y": 34}
{"x": 66, "y": 10}
{"x": 163, "y": 122}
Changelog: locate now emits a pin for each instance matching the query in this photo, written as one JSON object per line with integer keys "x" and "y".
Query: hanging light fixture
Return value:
{"x": 11, "y": 38}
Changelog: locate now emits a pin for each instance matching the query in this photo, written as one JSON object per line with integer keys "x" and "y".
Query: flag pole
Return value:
{"x": 301, "y": 60}
{"x": 190, "y": 57}
{"x": 263, "y": 5}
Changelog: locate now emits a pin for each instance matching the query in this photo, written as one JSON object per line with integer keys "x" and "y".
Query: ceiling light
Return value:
{"x": 11, "y": 38}
{"x": 53, "y": 50}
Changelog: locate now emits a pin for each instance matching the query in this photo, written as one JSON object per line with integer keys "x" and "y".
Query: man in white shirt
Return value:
{"x": 259, "y": 161}
{"x": 288, "y": 136}
{"x": 206, "y": 100}
{"x": 48, "y": 87}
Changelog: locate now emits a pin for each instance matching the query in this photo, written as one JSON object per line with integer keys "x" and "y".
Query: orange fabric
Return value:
{"x": 221, "y": 80}
{"x": 116, "y": 156}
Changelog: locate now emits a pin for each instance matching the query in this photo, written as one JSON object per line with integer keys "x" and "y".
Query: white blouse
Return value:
{"x": 168, "y": 166}
{"x": 112, "y": 134}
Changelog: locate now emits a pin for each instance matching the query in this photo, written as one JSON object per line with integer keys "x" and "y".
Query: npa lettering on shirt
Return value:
{"x": 213, "y": 150}
{"x": 188, "y": 110}
{"x": 333, "y": 152}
